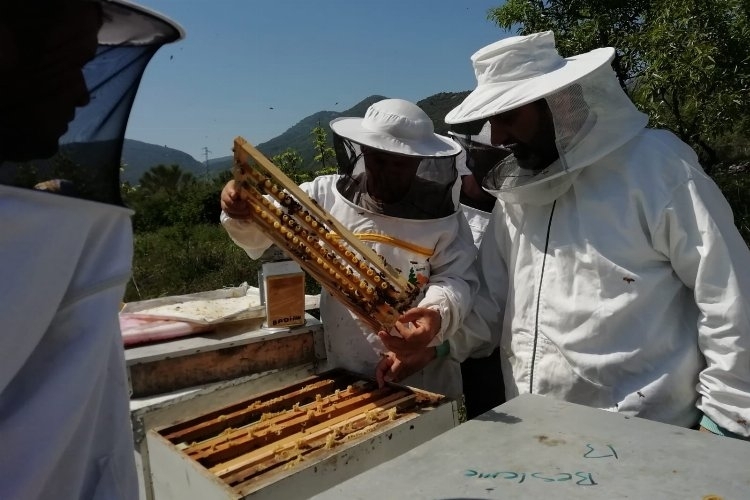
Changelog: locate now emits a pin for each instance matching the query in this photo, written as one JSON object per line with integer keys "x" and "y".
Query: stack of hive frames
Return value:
{"x": 245, "y": 443}
{"x": 351, "y": 271}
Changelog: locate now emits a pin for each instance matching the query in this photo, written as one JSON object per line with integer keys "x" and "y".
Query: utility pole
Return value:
{"x": 205, "y": 161}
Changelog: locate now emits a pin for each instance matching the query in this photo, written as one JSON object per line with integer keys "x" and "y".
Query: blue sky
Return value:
{"x": 241, "y": 58}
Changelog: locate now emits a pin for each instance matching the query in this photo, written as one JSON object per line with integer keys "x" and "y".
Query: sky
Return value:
{"x": 256, "y": 68}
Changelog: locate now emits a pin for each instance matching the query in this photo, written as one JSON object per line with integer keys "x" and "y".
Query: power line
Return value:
{"x": 205, "y": 161}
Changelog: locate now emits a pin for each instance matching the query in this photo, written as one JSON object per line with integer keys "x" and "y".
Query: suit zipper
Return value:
{"x": 538, "y": 299}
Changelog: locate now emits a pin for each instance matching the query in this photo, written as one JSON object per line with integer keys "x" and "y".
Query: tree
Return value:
{"x": 325, "y": 156}
{"x": 687, "y": 63}
{"x": 166, "y": 196}
{"x": 290, "y": 162}
{"x": 169, "y": 179}
{"x": 697, "y": 74}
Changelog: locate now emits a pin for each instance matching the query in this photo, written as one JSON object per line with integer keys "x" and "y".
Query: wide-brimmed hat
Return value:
{"x": 519, "y": 70}
{"x": 396, "y": 126}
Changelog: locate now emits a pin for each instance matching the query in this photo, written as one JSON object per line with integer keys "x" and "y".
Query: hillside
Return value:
{"x": 139, "y": 157}
{"x": 298, "y": 137}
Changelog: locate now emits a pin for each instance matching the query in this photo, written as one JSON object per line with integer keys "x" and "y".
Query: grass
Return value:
{"x": 180, "y": 260}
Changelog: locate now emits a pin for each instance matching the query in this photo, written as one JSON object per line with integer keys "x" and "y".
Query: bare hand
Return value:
{"x": 233, "y": 204}
{"x": 417, "y": 327}
{"x": 393, "y": 368}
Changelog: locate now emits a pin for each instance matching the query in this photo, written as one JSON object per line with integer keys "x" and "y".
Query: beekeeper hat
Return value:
{"x": 396, "y": 126}
{"x": 519, "y": 70}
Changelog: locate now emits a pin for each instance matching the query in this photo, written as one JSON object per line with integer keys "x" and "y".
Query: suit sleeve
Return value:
{"x": 481, "y": 330}
{"x": 247, "y": 235}
{"x": 709, "y": 256}
{"x": 453, "y": 279}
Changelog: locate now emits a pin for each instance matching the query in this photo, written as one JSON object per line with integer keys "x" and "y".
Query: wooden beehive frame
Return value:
{"x": 321, "y": 245}
{"x": 242, "y": 443}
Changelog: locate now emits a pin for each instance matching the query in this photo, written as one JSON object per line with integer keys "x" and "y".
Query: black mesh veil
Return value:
{"x": 481, "y": 157}
{"x": 88, "y": 162}
{"x": 432, "y": 193}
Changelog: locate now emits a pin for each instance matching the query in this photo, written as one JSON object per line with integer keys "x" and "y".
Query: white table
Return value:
{"x": 537, "y": 447}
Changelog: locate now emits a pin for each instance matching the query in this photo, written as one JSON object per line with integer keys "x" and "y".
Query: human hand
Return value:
{"x": 416, "y": 327}
{"x": 393, "y": 368}
{"x": 233, "y": 204}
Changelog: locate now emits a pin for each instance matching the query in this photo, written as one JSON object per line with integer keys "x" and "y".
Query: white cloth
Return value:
{"x": 630, "y": 293}
{"x": 517, "y": 70}
{"x": 463, "y": 345}
{"x": 439, "y": 254}
{"x": 477, "y": 220}
{"x": 64, "y": 416}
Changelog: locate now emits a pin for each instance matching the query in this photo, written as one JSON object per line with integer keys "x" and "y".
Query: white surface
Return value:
{"x": 537, "y": 447}
{"x": 213, "y": 307}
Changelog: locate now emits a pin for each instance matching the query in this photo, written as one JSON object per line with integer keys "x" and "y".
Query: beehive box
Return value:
{"x": 232, "y": 350}
{"x": 295, "y": 441}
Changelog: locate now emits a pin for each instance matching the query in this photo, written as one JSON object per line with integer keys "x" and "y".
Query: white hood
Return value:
{"x": 592, "y": 118}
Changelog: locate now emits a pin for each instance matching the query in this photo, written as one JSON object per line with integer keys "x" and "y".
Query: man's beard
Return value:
{"x": 531, "y": 158}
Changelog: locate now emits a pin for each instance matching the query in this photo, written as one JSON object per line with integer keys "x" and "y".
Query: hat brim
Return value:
{"x": 494, "y": 98}
{"x": 127, "y": 23}
{"x": 433, "y": 146}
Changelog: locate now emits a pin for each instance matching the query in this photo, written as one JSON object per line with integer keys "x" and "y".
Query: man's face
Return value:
{"x": 42, "y": 81}
{"x": 529, "y": 133}
{"x": 389, "y": 176}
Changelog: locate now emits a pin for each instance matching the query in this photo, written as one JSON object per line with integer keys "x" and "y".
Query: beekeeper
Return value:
{"x": 396, "y": 191}
{"x": 612, "y": 273}
{"x": 65, "y": 256}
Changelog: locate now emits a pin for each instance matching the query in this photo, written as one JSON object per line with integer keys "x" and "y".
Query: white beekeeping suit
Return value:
{"x": 614, "y": 277}
{"x": 64, "y": 263}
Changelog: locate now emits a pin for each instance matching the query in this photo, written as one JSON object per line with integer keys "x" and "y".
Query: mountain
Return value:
{"x": 299, "y": 137}
{"x": 437, "y": 106}
{"x": 140, "y": 156}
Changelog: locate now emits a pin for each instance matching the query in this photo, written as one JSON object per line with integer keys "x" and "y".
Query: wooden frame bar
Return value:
{"x": 347, "y": 268}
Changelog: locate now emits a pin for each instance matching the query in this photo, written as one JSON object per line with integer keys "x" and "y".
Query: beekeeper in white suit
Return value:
{"x": 65, "y": 257}
{"x": 397, "y": 192}
{"x": 611, "y": 273}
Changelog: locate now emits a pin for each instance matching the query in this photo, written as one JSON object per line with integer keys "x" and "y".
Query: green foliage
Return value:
{"x": 162, "y": 178}
{"x": 687, "y": 64}
{"x": 325, "y": 156}
{"x": 734, "y": 182}
{"x": 697, "y": 75}
{"x": 180, "y": 247}
{"x": 290, "y": 162}
{"x": 187, "y": 259}
{"x": 168, "y": 197}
